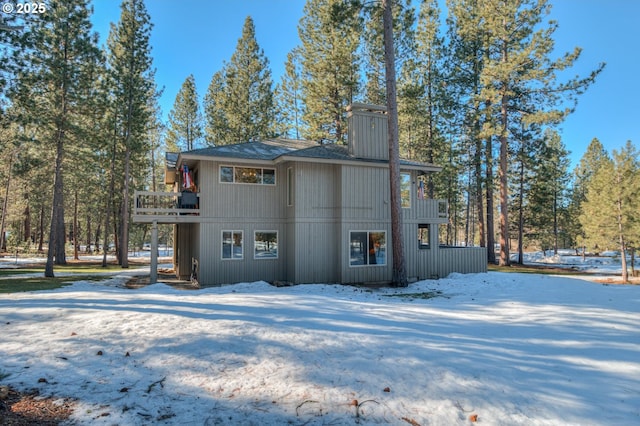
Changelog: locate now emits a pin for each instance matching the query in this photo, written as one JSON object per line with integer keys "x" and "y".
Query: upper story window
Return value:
{"x": 405, "y": 190}
{"x": 250, "y": 175}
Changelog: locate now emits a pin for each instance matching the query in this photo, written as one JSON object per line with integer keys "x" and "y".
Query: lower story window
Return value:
{"x": 232, "y": 245}
{"x": 424, "y": 231}
{"x": 367, "y": 248}
{"x": 265, "y": 245}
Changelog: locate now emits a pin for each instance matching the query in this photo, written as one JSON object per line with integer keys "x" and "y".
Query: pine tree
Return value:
{"x": 185, "y": 120}
{"x": 469, "y": 53}
{"x": 518, "y": 70}
{"x": 590, "y": 162}
{"x": 63, "y": 68}
{"x": 422, "y": 102}
{"x": 547, "y": 199}
{"x": 397, "y": 238}
{"x": 129, "y": 60}
{"x": 288, "y": 99}
{"x": 372, "y": 45}
{"x": 330, "y": 37}
{"x": 239, "y": 103}
{"x": 216, "y": 124}
{"x": 610, "y": 211}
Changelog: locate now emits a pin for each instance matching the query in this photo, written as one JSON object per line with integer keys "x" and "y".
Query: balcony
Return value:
{"x": 430, "y": 209}
{"x": 166, "y": 207}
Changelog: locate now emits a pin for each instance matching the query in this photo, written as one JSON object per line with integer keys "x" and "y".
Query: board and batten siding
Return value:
{"x": 215, "y": 270}
{"x": 224, "y": 200}
{"x": 367, "y": 132}
{"x": 240, "y": 207}
{"x": 364, "y": 193}
{"x": 313, "y": 220}
{"x": 464, "y": 260}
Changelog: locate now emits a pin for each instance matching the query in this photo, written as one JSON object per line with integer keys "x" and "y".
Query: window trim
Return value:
{"x": 233, "y": 175}
{"x": 428, "y": 227}
{"x": 383, "y": 231}
{"x": 290, "y": 187}
{"x": 233, "y": 232}
{"x": 267, "y": 231}
{"x": 409, "y": 191}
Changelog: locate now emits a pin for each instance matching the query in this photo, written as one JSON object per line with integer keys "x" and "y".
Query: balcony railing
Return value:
{"x": 431, "y": 209}
{"x": 165, "y": 206}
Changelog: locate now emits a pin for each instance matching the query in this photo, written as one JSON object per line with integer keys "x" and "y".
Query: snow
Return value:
{"x": 513, "y": 349}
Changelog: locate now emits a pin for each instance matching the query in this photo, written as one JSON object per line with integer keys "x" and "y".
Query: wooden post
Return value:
{"x": 153, "y": 276}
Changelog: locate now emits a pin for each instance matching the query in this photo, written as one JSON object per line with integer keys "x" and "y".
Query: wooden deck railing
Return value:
{"x": 164, "y": 206}
{"x": 431, "y": 209}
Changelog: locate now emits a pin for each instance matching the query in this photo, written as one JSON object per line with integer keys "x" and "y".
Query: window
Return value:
{"x": 265, "y": 245}
{"x": 405, "y": 190}
{"x": 248, "y": 175}
{"x": 226, "y": 174}
{"x": 232, "y": 245}
{"x": 290, "y": 187}
{"x": 367, "y": 248}
{"x": 424, "y": 232}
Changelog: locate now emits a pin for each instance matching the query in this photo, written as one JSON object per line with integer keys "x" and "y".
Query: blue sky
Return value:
{"x": 197, "y": 37}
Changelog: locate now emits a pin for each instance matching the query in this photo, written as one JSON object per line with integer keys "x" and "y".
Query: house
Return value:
{"x": 301, "y": 212}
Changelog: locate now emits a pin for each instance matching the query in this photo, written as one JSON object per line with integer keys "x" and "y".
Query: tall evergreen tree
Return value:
{"x": 330, "y": 37}
{"x": 610, "y": 212}
{"x": 518, "y": 70}
{"x": 130, "y": 62}
{"x": 548, "y": 193}
{"x": 288, "y": 99}
{"x": 63, "y": 68}
{"x": 239, "y": 102}
{"x": 185, "y": 120}
{"x": 397, "y": 237}
{"x": 421, "y": 104}
{"x": 469, "y": 52}
{"x": 372, "y": 45}
{"x": 216, "y": 123}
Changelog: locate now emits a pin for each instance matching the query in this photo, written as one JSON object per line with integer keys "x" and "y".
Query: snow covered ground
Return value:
{"x": 607, "y": 263}
{"x": 513, "y": 349}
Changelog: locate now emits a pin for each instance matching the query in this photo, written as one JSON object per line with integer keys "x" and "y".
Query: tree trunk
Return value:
{"x": 124, "y": 239}
{"x": 623, "y": 248}
{"x": 491, "y": 240}
{"x": 479, "y": 203}
{"x": 56, "y": 232}
{"x": 399, "y": 269}
{"x": 41, "y": 230}
{"x": 107, "y": 216}
{"x": 75, "y": 226}
{"x": 504, "y": 196}
{"x": 520, "y": 205}
{"x": 504, "y": 154}
{"x": 27, "y": 223}
{"x": 5, "y": 205}
{"x": 88, "y": 241}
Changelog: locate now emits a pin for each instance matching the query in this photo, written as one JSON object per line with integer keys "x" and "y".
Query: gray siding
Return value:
{"x": 314, "y": 221}
{"x": 329, "y": 202}
{"x": 215, "y": 270}
{"x": 464, "y": 260}
{"x": 367, "y": 133}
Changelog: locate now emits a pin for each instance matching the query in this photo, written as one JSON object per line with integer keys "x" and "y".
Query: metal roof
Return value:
{"x": 272, "y": 150}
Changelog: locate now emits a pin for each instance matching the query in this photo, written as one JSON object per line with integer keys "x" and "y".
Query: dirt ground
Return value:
{"x": 28, "y": 408}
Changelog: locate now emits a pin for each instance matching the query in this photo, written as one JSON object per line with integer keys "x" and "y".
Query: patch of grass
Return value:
{"x": 423, "y": 295}
{"x": 5, "y": 272}
{"x": 534, "y": 269}
{"x": 14, "y": 285}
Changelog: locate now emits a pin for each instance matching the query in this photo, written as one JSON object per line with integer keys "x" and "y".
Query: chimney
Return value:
{"x": 367, "y": 131}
